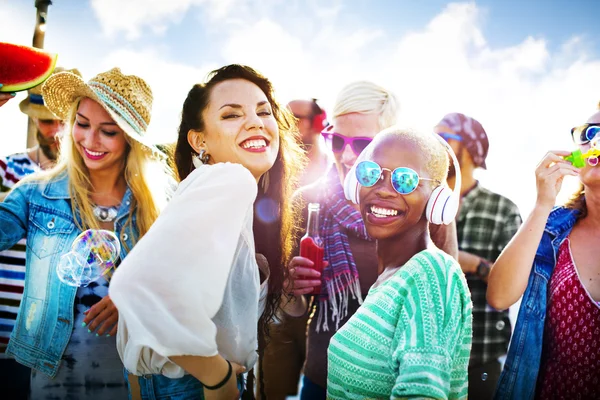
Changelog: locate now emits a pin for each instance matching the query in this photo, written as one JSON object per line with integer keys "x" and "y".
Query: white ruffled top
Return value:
{"x": 191, "y": 285}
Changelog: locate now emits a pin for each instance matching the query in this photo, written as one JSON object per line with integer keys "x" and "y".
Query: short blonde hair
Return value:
{"x": 436, "y": 155}
{"x": 368, "y": 98}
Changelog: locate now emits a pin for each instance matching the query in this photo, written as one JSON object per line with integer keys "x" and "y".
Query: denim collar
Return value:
{"x": 58, "y": 188}
{"x": 561, "y": 220}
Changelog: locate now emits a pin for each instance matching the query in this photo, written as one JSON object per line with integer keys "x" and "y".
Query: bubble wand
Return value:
{"x": 578, "y": 159}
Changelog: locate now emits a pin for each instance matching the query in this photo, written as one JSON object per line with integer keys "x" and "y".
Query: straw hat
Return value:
{"x": 34, "y": 106}
{"x": 127, "y": 98}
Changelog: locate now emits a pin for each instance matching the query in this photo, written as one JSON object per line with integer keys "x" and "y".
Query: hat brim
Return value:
{"x": 36, "y": 110}
{"x": 62, "y": 90}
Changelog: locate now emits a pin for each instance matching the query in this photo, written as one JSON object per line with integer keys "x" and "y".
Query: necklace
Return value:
{"x": 106, "y": 214}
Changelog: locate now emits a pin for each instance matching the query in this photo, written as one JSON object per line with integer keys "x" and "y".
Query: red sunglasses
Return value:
{"x": 337, "y": 143}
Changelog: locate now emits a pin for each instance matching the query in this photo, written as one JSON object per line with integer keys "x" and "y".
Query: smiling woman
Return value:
{"x": 415, "y": 323}
{"x": 201, "y": 333}
{"x": 104, "y": 162}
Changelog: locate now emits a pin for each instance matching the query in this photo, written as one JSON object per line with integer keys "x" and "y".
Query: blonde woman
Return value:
{"x": 64, "y": 333}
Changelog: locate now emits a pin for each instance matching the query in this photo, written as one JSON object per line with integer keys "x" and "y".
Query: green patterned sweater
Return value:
{"x": 410, "y": 338}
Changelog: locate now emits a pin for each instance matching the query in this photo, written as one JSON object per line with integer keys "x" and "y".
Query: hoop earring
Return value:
{"x": 200, "y": 159}
{"x": 264, "y": 182}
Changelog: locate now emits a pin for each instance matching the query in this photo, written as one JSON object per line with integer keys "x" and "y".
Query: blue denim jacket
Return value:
{"x": 41, "y": 212}
{"x": 519, "y": 377}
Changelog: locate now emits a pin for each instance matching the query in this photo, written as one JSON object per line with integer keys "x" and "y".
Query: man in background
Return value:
{"x": 485, "y": 224}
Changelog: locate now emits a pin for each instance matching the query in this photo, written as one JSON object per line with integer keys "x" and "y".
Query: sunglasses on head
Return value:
{"x": 404, "y": 180}
{"x": 447, "y": 136}
{"x": 585, "y": 133}
{"x": 337, "y": 143}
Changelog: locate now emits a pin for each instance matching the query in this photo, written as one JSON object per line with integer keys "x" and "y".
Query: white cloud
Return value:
{"x": 132, "y": 16}
{"x": 526, "y": 96}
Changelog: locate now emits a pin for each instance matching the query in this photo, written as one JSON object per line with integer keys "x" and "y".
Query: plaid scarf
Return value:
{"x": 340, "y": 278}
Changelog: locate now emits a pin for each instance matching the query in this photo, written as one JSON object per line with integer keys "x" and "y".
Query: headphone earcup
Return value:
{"x": 442, "y": 206}
{"x": 351, "y": 185}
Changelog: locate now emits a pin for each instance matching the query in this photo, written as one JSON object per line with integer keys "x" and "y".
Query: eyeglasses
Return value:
{"x": 585, "y": 133}
{"x": 404, "y": 180}
{"x": 447, "y": 136}
{"x": 337, "y": 143}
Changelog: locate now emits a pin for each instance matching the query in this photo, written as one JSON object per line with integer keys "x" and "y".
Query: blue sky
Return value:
{"x": 528, "y": 70}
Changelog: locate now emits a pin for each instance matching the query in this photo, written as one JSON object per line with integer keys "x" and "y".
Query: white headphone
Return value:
{"x": 442, "y": 205}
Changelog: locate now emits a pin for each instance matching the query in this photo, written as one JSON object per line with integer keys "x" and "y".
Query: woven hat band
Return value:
{"x": 120, "y": 106}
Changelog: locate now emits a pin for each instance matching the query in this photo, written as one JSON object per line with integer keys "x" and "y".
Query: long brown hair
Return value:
{"x": 273, "y": 237}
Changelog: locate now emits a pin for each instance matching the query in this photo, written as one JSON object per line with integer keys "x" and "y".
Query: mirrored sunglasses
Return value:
{"x": 404, "y": 180}
{"x": 585, "y": 133}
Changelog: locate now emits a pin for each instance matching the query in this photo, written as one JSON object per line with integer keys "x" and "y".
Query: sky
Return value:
{"x": 527, "y": 70}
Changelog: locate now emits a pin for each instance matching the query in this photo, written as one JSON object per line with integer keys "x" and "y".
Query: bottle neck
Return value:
{"x": 312, "y": 228}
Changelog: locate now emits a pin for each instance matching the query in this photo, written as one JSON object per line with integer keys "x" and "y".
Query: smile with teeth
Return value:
{"x": 381, "y": 212}
{"x": 254, "y": 144}
{"x": 93, "y": 153}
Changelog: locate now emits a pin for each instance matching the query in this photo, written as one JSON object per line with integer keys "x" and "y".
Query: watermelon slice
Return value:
{"x": 23, "y": 67}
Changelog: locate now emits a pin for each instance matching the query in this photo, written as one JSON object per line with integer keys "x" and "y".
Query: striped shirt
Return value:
{"x": 12, "y": 261}
{"x": 411, "y": 337}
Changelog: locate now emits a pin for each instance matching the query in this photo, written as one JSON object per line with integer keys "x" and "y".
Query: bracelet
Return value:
{"x": 223, "y": 382}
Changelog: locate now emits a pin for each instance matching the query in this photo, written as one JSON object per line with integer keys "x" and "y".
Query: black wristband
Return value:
{"x": 223, "y": 382}
{"x": 483, "y": 269}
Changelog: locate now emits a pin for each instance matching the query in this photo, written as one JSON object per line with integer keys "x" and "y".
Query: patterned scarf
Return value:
{"x": 340, "y": 278}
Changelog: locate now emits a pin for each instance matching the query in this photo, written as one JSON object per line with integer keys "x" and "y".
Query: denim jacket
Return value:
{"x": 519, "y": 377}
{"x": 41, "y": 212}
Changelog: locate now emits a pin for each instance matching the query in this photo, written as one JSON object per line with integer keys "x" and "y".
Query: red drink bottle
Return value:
{"x": 311, "y": 245}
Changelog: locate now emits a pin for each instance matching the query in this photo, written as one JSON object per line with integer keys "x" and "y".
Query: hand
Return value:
{"x": 229, "y": 391}
{"x": 302, "y": 278}
{"x": 102, "y": 316}
{"x": 4, "y": 97}
{"x": 549, "y": 175}
{"x": 468, "y": 262}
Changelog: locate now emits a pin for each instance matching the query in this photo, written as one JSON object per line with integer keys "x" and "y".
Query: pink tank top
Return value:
{"x": 570, "y": 365}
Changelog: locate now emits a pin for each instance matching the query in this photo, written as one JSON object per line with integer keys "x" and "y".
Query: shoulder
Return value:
{"x": 560, "y": 219}
{"x": 230, "y": 174}
{"x": 432, "y": 267}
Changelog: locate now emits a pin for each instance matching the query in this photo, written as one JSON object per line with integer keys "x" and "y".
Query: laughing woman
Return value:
{"x": 190, "y": 295}
{"x": 64, "y": 333}
{"x": 411, "y": 337}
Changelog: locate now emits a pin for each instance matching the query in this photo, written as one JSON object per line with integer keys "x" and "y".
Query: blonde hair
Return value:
{"x": 433, "y": 151}
{"x": 368, "y": 98}
{"x": 147, "y": 177}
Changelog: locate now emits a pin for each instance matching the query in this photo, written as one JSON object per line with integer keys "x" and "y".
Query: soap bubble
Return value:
{"x": 93, "y": 253}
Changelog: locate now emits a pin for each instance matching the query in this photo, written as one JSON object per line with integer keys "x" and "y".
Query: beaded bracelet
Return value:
{"x": 223, "y": 382}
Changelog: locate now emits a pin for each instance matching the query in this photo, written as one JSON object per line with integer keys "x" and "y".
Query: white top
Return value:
{"x": 191, "y": 285}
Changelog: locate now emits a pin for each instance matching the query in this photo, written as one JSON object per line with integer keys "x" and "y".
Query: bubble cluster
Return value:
{"x": 93, "y": 253}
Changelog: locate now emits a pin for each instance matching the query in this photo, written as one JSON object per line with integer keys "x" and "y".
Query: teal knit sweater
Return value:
{"x": 410, "y": 338}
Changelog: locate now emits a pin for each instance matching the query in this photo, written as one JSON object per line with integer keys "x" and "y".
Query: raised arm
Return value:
{"x": 14, "y": 214}
{"x": 510, "y": 273}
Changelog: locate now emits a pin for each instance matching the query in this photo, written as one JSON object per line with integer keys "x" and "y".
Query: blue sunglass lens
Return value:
{"x": 367, "y": 173}
{"x": 405, "y": 180}
{"x": 591, "y": 132}
{"x": 447, "y": 136}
